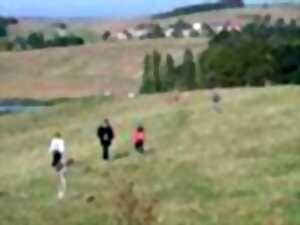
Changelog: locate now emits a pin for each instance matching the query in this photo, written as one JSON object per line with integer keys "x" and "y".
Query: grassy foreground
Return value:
{"x": 241, "y": 167}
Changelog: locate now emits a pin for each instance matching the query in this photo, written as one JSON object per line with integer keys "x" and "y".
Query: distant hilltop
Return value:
{"x": 223, "y": 4}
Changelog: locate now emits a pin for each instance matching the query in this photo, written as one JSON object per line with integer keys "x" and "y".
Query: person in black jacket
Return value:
{"x": 106, "y": 135}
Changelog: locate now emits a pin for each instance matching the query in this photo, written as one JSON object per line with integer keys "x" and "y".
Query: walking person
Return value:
{"x": 106, "y": 136}
{"x": 214, "y": 94}
{"x": 138, "y": 139}
{"x": 216, "y": 101}
{"x": 57, "y": 149}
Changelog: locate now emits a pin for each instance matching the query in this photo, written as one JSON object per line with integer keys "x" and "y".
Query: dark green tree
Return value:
{"x": 3, "y": 31}
{"x": 20, "y": 44}
{"x": 187, "y": 77}
{"x": 106, "y": 35}
{"x": 201, "y": 79}
{"x": 169, "y": 74}
{"x": 36, "y": 40}
{"x": 148, "y": 85}
{"x": 158, "y": 31}
{"x": 280, "y": 24}
{"x": 156, "y": 70}
{"x": 267, "y": 20}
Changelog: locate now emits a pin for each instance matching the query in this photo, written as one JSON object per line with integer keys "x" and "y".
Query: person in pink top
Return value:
{"x": 138, "y": 139}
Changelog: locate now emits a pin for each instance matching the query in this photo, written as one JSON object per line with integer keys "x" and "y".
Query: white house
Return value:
{"x": 186, "y": 33}
{"x": 61, "y": 32}
{"x": 121, "y": 36}
{"x": 233, "y": 25}
{"x": 139, "y": 33}
{"x": 131, "y": 95}
{"x": 197, "y": 27}
{"x": 169, "y": 32}
{"x": 107, "y": 93}
{"x": 219, "y": 28}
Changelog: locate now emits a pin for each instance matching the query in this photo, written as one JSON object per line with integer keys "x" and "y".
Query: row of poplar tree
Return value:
{"x": 162, "y": 75}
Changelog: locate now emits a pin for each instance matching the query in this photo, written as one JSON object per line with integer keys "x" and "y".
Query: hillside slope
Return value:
{"x": 82, "y": 71}
{"x": 244, "y": 15}
{"x": 238, "y": 167}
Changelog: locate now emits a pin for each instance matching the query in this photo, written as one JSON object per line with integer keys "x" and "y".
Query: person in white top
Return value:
{"x": 57, "y": 149}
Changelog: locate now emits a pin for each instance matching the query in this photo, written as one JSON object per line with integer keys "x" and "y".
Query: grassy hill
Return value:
{"x": 82, "y": 71}
{"x": 238, "y": 167}
{"x": 92, "y": 29}
{"x": 245, "y": 15}
{"x": 96, "y": 68}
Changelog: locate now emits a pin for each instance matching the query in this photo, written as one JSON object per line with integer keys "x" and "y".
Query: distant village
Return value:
{"x": 180, "y": 29}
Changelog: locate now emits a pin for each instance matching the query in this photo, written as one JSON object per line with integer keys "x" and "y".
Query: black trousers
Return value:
{"x": 57, "y": 161}
{"x": 105, "y": 152}
{"x": 139, "y": 146}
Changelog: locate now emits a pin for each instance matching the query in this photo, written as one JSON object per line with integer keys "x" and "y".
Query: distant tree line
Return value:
{"x": 263, "y": 53}
{"x": 37, "y": 40}
{"x": 4, "y": 23}
{"x": 8, "y": 20}
{"x": 224, "y": 4}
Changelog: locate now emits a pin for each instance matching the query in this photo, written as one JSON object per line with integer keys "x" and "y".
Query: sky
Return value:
{"x": 94, "y": 8}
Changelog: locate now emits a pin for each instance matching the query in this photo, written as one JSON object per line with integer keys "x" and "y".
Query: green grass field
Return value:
{"x": 241, "y": 167}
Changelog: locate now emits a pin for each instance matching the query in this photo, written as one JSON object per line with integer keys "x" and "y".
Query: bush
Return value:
{"x": 20, "y": 43}
{"x": 3, "y": 31}
{"x": 157, "y": 31}
{"x": 106, "y": 35}
{"x": 6, "y": 45}
{"x": 36, "y": 40}
{"x": 130, "y": 208}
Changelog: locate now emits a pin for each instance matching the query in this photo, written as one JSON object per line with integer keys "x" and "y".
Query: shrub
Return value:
{"x": 6, "y": 45}
{"x": 132, "y": 209}
{"x": 36, "y": 40}
{"x": 157, "y": 31}
{"x": 106, "y": 35}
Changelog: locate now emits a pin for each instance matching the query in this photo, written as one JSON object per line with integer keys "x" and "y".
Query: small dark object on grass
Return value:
{"x": 70, "y": 162}
{"x": 90, "y": 199}
{"x": 88, "y": 169}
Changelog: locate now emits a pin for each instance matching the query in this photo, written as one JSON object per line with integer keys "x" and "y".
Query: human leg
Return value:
{"x": 106, "y": 152}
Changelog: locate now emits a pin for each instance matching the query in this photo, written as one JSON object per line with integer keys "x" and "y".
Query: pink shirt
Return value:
{"x": 138, "y": 136}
